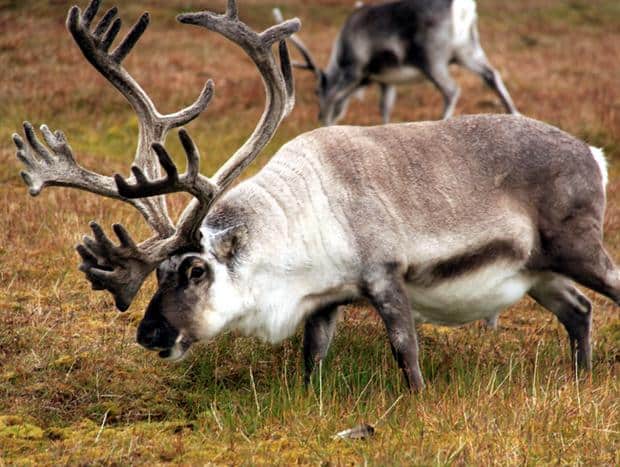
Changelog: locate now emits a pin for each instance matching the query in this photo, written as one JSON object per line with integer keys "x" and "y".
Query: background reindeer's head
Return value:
{"x": 333, "y": 97}
{"x": 332, "y": 88}
{"x": 187, "y": 261}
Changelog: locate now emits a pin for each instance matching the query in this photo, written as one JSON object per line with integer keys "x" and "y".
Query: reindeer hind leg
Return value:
{"x": 580, "y": 255}
{"x": 573, "y": 310}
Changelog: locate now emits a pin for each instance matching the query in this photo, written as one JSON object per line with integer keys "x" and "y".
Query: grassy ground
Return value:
{"x": 75, "y": 388}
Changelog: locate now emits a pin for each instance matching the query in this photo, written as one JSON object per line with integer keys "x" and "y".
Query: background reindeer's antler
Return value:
{"x": 310, "y": 63}
{"x": 122, "y": 268}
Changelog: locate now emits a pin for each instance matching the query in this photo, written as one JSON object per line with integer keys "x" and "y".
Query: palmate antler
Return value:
{"x": 121, "y": 269}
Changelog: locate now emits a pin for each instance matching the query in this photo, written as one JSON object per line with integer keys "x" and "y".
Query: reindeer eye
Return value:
{"x": 196, "y": 272}
{"x": 193, "y": 270}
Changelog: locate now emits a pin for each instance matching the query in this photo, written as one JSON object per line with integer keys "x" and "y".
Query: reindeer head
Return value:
{"x": 194, "y": 282}
{"x": 333, "y": 101}
{"x": 197, "y": 295}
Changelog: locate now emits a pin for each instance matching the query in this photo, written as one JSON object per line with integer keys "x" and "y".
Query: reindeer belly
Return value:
{"x": 397, "y": 75}
{"x": 477, "y": 295}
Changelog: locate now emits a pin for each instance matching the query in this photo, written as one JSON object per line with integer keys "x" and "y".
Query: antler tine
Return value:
{"x": 287, "y": 75}
{"x": 191, "y": 181}
{"x": 121, "y": 269}
{"x": 231, "y": 10}
{"x": 55, "y": 165}
{"x": 189, "y": 113}
{"x": 94, "y": 45}
{"x": 277, "y": 15}
{"x": 309, "y": 64}
{"x": 130, "y": 40}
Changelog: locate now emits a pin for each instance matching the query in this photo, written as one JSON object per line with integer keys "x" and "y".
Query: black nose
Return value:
{"x": 152, "y": 335}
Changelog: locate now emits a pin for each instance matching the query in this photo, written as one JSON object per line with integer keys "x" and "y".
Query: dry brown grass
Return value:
{"x": 68, "y": 364}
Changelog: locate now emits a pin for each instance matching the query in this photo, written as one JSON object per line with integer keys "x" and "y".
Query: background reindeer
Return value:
{"x": 446, "y": 222}
{"x": 398, "y": 42}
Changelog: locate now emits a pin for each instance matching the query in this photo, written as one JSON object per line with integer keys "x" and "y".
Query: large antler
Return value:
{"x": 310, "y": 63}
{"x": 122, "y": 268}
{"x": 279, "y": 89}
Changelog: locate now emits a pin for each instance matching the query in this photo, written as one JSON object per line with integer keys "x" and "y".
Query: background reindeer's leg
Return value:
{"x": 492, "y": 78}
{"x": 474, "y": 59}
{"x": 386, "y": 103}
{"x": 573, "y": 310}
{"x": 386, "y": 294}
{"x": 439, "y": 74}
{"x": 319, "y": 331}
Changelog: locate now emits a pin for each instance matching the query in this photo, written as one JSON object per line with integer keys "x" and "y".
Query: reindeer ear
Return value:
{"x": 226, "y": 244}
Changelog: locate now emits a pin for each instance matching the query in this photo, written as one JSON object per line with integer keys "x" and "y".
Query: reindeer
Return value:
{"x": 446, "y": 222}
{"x": 396, "y": 43}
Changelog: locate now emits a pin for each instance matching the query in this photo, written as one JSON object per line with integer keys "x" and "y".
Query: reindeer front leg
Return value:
{"x": 318, "y": 334}
{"x": 385, "y": 291}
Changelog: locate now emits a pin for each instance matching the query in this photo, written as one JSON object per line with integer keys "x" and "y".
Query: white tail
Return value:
{"x": 601, "y": 161}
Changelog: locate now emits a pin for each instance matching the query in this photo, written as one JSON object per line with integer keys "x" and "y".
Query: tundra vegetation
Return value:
{"x": 74, "y": 386}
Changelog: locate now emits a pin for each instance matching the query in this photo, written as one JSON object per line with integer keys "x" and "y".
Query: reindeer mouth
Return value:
{"x": 177, "y": 351}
